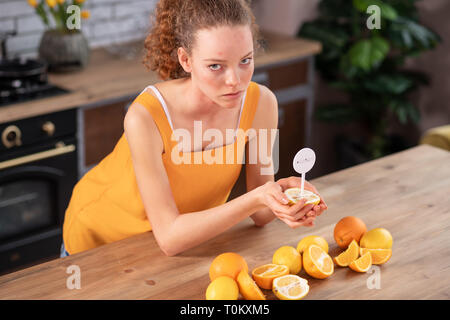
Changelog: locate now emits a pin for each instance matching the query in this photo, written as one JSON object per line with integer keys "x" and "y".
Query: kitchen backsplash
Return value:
{"x": 110, "y": 22}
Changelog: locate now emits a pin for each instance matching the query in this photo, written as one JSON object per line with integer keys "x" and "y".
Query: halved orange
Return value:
{"x": 362, "y": 264}
{"x": 290, "y": 287}
{"x": 264, "y": 275}
{"x": 379, "y": 256}
{"x": 248, "y": 287}
{"x": 295, "y": 195}
{"x": 317, "y": 263}
{"x": 348, "y": 256}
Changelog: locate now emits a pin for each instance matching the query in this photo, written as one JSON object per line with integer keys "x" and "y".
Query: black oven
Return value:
{"x": 38, "y": 170}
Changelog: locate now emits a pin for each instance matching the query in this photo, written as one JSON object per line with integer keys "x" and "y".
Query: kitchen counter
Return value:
{"x": 406, "y": 193}
{"x": 109, "y": 78}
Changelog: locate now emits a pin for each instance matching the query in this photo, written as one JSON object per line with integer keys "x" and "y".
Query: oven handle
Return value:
{"x": 59, "y": 150}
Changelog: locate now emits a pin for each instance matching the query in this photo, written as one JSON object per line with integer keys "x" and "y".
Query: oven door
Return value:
{"x": 35, "y": 189}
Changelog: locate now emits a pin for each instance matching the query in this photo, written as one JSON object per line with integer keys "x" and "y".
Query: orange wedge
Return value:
{"x": 379, "y": 256}
{"x": 348, "y": 256}
{"x": 362, "y": 264}
{"x": 264, "y": 275}
{"x": 248, "y": 287}
{"x": 317, "y": 263}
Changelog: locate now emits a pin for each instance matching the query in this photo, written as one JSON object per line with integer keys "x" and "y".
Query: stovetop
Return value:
{"x": 31, "y": 92}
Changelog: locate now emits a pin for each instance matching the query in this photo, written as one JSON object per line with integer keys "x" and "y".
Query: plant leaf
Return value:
{"x": 388, "y": 83}
{"x": 369, "y": 53}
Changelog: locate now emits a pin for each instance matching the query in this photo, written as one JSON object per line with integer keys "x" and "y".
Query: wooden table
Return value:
{"x": 408, "y": 193}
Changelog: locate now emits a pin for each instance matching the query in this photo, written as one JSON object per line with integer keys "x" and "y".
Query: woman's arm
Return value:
{"x": 266, "y": 118}
{"x": 173, "y": 231}
{"x": 257, "y": 174}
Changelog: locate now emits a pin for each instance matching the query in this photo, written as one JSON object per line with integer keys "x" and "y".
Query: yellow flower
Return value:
{"x": 85, "y": 14}
{"x": 79, "y": 1}
{"x": 33, "y": 3}
{"x": 61, "y": 1}
{"x": 51, "y": 3}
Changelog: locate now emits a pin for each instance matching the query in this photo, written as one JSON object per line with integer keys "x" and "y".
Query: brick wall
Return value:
{"x": 111, "y": 22}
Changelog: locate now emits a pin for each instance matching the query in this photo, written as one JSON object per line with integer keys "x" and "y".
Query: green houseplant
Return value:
{"x": 368, "y": 63}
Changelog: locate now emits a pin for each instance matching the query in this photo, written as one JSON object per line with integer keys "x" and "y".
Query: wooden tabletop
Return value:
{"x": 407, "y": 193}
{"x": 110, "y": 77}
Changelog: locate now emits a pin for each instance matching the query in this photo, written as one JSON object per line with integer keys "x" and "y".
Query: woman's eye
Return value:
{"x": 214, "y": 67}
{"x": 217, "y": 67}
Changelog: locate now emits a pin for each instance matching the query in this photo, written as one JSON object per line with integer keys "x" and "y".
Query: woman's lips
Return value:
{"x": 233, "y": 95}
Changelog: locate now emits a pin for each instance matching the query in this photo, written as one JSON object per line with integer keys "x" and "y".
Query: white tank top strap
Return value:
{"x": 166, "y": 110}
{"x": 161, "y": 100}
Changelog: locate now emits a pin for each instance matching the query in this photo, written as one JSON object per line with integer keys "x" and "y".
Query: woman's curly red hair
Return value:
{"x": 175, "y": 23}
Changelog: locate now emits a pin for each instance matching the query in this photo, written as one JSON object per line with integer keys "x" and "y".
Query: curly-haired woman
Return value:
{"x": 203, "y": 50}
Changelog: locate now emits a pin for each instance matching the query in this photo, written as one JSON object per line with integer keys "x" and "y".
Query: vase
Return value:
{"x": 64, "y": 51}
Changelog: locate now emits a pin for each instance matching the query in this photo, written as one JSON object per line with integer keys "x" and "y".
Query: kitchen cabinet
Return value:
{"x": 102, "y": 128}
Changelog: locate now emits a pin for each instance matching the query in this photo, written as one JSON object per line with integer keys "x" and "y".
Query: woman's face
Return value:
{"x": 222, "y": 63}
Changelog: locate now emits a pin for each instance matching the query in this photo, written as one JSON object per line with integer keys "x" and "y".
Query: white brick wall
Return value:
{"x": 111, "y": 21}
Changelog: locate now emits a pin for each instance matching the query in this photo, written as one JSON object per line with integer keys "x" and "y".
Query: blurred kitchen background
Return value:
{"x": 395, "y": 89}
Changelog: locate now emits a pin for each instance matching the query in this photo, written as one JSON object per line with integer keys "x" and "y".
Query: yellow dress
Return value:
{"x": 106, "y": 206}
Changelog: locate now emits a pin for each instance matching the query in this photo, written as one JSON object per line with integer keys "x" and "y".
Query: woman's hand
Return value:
{"x": 296, "y": 215}
{"x": 293, "y": 182}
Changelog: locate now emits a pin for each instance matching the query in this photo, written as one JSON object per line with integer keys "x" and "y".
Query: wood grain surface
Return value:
{"x": 408, "y": 193}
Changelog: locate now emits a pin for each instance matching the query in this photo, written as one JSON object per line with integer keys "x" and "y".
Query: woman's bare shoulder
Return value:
{"x": 140, "y": 125}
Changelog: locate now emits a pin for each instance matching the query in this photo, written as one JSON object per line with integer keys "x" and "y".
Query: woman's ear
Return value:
{"x": 184, "y": 59}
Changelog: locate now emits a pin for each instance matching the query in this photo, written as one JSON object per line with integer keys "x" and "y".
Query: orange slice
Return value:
{"x": 362, "y": 264}
{"x": 348, "y": 256}
{"x": 317, "y": 263}
{"x": 264, "y": 275}
{"x": 290, "y": 287}
{"x": 379, "y": 256}
{"x": 248, "y": 287}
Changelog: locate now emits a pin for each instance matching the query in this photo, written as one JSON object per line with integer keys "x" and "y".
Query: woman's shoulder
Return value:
{"x": 266, "y": 115}
{"x": 140, "y": 126}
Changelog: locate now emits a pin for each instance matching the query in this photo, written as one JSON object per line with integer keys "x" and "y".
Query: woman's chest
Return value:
{"x": 200, "y": 135}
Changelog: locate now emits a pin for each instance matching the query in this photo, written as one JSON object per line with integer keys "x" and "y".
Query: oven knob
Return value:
{"x": 48, "y": 128}
{"x": 11, "y": 137}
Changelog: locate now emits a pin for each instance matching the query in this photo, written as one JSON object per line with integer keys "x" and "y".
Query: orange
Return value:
{"x": 222, "y": 288}
{"x": 348, "y": 256}
{"x": 290, "y": 287}
{"x": 362, "y": 264}
{"x": 379, "y": 256}
{"x": 317, "y": 263}
{"x": 378, "y": 238}
{"x": 227, "y": 264}
{"x": 248, "y": 287}
{"x": 288, "y": 256}
{"x": 294, "y": 195}
{"x": 348, "y": 229}
{"x": 264, "y": 275}
{"x": 309, "y": 240}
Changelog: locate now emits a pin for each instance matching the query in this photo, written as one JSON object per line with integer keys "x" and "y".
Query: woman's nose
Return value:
{"x": 232, "y": 78}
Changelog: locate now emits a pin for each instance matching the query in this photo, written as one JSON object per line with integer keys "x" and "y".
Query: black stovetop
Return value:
{"x": 19, "y": 95}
